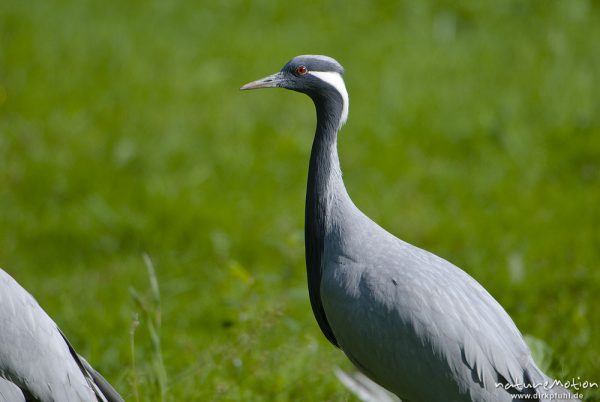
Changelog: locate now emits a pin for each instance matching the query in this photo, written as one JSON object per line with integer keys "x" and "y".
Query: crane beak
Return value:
{"x": 272, "y": 81}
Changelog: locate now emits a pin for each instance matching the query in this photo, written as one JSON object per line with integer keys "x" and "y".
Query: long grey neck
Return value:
{"x": 325, "y": 189}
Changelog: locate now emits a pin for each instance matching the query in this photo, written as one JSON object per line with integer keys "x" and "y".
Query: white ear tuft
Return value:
{"x": 335, "y": 80}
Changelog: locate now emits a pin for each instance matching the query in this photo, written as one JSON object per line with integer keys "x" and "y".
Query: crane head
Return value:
{"x": 320, "y": 77}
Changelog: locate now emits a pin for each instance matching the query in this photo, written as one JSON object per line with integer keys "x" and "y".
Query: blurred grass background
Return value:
{"x": 474, "y": 132}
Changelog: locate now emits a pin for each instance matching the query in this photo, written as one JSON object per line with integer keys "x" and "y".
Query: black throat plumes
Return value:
{"x": 323, "y": 160}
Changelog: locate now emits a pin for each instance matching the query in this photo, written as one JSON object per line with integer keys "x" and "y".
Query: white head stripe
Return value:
{"x": 335, "y": 80}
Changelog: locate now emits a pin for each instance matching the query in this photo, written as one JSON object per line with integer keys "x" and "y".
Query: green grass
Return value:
{"x": 474, "y": 132}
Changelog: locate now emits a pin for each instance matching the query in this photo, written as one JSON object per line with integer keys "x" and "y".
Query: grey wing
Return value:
{"x": 9, "y": 392}
{"x": 33, "y": 352}
{"x": 467, "y": 315}
{"x": 100, "y": 383}
{"x": 464, "y": 324}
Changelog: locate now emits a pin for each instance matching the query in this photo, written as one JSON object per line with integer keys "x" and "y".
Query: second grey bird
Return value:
{"x": 408, "y": 319}
{"x": 37, "y": 362}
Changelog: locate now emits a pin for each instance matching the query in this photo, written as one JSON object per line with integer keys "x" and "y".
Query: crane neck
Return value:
{"x": 326, "y": 196}
{"x": 325, "y": 187}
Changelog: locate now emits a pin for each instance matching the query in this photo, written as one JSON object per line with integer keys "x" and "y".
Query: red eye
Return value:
{"x": 301, "y": 70}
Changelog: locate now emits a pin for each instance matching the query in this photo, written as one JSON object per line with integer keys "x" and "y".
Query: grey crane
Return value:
{"x": 37, "y": 362}
{"x": 408, "y": 319}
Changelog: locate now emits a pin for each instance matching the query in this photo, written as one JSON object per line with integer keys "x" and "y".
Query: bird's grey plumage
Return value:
{"x": 35, "y": 357}
{"x": 9, "y": 392}
{"x": 411, "y": 321}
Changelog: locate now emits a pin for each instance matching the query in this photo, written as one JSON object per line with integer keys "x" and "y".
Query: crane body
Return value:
{"x": 411, "y": 321}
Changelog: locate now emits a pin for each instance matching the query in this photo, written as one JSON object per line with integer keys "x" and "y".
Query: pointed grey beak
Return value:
{"x": 272, "y": 81}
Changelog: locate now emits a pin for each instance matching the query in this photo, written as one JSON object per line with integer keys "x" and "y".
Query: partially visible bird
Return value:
{"x": 408, "y": 319}
{"x": 37, "y": 362}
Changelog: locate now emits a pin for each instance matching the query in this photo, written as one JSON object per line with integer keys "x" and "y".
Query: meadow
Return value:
{"x": 126, "y": 145}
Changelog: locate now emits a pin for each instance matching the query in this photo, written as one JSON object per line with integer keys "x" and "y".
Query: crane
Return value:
{"x": 37, "y": 362}
{"x": 411, "y": 321}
